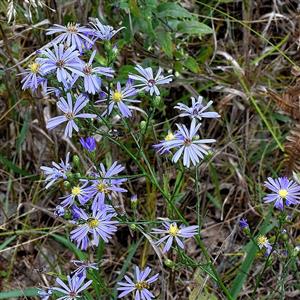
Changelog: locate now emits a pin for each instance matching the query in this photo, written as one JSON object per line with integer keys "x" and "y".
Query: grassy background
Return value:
{"x": 241, "y": 54}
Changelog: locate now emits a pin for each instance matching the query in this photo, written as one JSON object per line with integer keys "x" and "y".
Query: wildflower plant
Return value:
{"x": 79, "y": 69}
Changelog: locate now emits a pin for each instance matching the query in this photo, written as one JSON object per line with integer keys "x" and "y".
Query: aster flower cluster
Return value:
{"x": 186, "y": 141}
{"x": 88, "y": 201}
{"x": 88, "y": 94}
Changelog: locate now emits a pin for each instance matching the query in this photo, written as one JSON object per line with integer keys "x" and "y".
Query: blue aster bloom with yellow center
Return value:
{"x": 285, "y": 192}
{"x": 119, "y": 98}
{"x": 188, "y": 144}
{"x": 105, "y": 184}
{"x": 94, "y": 227}
{"x": 173, "y": 233}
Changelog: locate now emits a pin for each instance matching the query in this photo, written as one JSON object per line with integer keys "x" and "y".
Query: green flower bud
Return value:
{"x": 246, "y": 231}
{"x": 67, "y": 184}
{"x": 134, "y": 201}
{"x": 143, "y": 125}
{"x": 156, "y": 101}
{"x": 77, "y": 175}
{"x": 284, "y": 237}
{"x": 76, "y": 160}
{"x": 169, "y": 263}
{"x": 70, "y": 175}
{"x": 132, "y": 227}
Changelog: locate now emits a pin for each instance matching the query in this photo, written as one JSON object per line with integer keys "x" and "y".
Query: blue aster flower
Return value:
{"x": 32, "y": 77}
{"x": 73, "y": 289}
{"x": 62, "y": 62}
{"x": 95, "y": 227}
{"x": 140, "y": 285}
{"x": 92, "y": 81}
{"x": 160, "y": 146}
{"x": 78, "y": 192}
{"x": 173, "y": 232}
{"x": 118, "y": 98}
{"x": 284, "y": 190}
{"x": 57, "y": 171}
{"x": 88, "y": 143}
{"x": 189, "y": 144}
{"x": 82, "y": 266}
{"x": 103, "y": 32}
{"x": 106, "y": 184}
{"x": 263, "y": 243}
{"x": 147, "y": 80}
{"x": 197, "y": 110}
{"x": 70, "y": 114}
{"x": 73, "y": 35}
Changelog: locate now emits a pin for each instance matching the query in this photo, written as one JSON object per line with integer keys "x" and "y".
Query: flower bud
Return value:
{"x": 169, "y": 263}
{"x": 143, "y": 125}
{"x": 77, "y": 175}
{"x": 67, "y": 184}
{"x": 132, "y": 227}
{"x": 76, "y": 160}
{"x": 284, "y": 237}
{"x": 156, "y": 101}
{"x": 134, "y": 201}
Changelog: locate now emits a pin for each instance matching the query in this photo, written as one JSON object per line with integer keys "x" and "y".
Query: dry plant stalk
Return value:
{"x": 289, "y": 103}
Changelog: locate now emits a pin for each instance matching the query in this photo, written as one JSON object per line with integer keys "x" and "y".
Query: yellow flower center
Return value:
{"x": 170, "y": 136}
{"x": 142, "y": 285}
{"x": 34, "y": 67}
{"x": 102, "y": 188}
{"x": 173, "y": 230}
{"x": 262, "y": 240}
{"x": 76, "y": 191}
{"x": 93, "y": 223}
{"x": 283, "y": 193}
{"x": 117, "y": 96}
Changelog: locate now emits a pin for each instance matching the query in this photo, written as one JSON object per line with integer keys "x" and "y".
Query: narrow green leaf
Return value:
{"x": 29, "y": 292}
{"x": 194, "y": 28}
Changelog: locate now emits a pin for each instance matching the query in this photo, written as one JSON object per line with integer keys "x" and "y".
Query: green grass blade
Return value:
{"x": 7, "y": 242}
{"x": 29, "y": 292}
{"x": 11, "y": 166}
